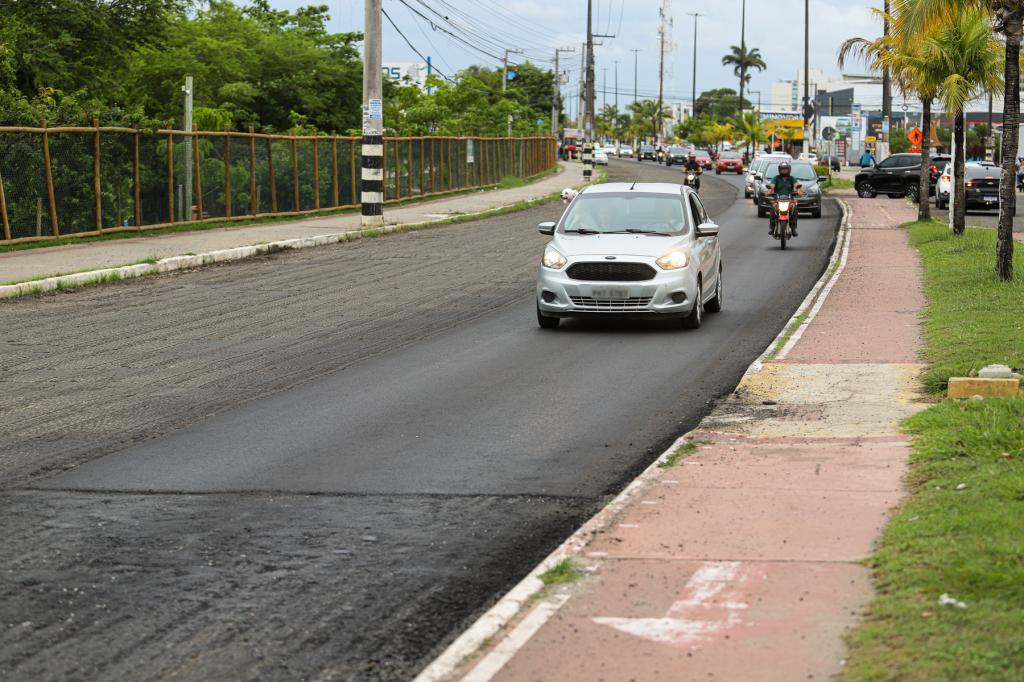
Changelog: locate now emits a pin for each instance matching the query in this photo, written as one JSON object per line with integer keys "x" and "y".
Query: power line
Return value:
{"x": 411, "y": 46}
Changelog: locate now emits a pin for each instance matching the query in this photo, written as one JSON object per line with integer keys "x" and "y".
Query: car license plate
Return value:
{"x": 991, "y": 200}
{"x": 610, "y": 293}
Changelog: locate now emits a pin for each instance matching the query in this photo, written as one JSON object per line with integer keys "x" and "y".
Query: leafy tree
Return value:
{"x": 720, "y": 104}
{"x": 750, "y": 130}
{"x": 646, "y": 114}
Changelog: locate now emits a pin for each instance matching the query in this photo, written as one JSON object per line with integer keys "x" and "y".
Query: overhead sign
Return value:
{"x": 778, "y": 115}
{"x": 406, "y": 73}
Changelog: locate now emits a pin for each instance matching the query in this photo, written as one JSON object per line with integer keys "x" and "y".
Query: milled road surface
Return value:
{"x": 323, "y": 464}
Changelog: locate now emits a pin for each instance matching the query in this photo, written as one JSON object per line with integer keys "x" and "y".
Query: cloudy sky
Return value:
{"x": 539, "y": 26}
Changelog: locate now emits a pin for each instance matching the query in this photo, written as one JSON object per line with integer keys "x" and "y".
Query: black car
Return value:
{"x": 804, "y": 173}
{"x": 675, "y": 155}
{"x": 981, "y": 187}
{"x": 646, "y": 151}
{"x": 897, "y": 176}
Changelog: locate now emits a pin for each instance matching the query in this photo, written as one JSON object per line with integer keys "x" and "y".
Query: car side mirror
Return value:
{"x": 708, "y": 229}
{"x": 547, "y": 227}
{"x": 758, "y": 176}
{"x": 822, "y": 178}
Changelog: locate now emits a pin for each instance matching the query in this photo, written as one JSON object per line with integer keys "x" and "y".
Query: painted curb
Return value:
{"x": 507, "y": 607}
{"x": 173, "y": 263}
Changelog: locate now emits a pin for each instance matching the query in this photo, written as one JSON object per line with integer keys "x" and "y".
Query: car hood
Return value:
{"x": 643, "y": 245}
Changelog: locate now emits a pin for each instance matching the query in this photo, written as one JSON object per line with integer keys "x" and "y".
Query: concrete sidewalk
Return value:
{"x": 741, "y": 560}
{"x": 20, "y": 266}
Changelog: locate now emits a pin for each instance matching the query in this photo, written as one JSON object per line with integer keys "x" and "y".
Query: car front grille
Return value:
{"x": 624, "y": 305}
{"x": 611, "y": 272}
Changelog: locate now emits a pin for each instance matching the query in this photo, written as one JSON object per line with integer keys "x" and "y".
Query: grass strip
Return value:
{"x": 562, "y": 572}
{"x": 960, "y": 532}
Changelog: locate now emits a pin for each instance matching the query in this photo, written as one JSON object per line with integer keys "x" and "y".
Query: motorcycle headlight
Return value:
{"x": 673, "y": 260}
{"x": 552, "y": 259}
{"x": 783, "y": 205}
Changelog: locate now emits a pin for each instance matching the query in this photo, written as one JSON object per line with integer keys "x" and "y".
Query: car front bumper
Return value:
{"x": 811, "y": 203}
{"x": 648, "y": 298}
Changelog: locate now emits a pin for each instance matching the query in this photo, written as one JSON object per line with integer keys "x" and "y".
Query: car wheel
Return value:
{"x": 865, "y": 190}
{"x": 696, "y": 316}
{"x": 913, "y": 192}
{"x": 545, "y": 321}
{"x": 715, "y": 304}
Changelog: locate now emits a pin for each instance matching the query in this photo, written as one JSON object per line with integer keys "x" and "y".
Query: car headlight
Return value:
{"x": 673, "y": 260}
{"x": 552, "y": 259}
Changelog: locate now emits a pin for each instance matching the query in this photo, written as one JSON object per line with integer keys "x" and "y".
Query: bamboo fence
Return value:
{"x": 88, "y": 181}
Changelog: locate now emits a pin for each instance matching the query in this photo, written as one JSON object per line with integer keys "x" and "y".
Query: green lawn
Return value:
{"x": 966, "y": 542}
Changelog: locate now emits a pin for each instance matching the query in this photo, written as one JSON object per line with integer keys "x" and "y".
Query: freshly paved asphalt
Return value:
{"x": 347, "y": 523}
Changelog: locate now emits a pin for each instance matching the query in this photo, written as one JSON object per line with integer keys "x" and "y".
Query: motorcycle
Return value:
{"x": 691, "y": 179}
{"x": 783, "y": 214}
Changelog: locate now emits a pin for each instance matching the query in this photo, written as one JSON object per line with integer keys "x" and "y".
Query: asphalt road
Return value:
{"x": 323, "y": 464}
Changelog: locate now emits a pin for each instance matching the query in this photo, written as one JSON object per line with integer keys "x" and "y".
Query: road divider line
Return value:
{"x": 490, "y": 624}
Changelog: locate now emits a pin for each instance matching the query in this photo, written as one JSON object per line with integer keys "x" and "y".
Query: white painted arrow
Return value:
{"x": 710, "y": 604}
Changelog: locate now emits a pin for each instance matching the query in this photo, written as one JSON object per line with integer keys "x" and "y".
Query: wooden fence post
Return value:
{"x": 270, "y": 170}
{"x": 352, "y": 169}
{"x": 136, "y": 183}
{"x": 316, "y": 175}
{"x": 398, "y": 169}
{"x": 408, "y": 169}
{"x": 334, "y": 170}
{"x": 296, "y": 198}
{"x": 197, "y": 174}
{"x": 96, "y": 175}
{"x": 253, "y": 208}
{"x": 4, "y": 221}
{"x": 227, "y": 173}
{"x": 170, "y": 176}
{"x": 423, "y": 182}
{"x": 49, "y": 181}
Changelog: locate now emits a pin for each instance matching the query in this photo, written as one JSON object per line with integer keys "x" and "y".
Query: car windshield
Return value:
{"x": 800, "y": 171}
{"x": 647, "y": 148}
{"x": 729, "y": 155}
{"x": 701, "y": 154}
{"x": 982, "y": 172}
{"x": 676, "y": 150}
{"x": 622, "y": 212}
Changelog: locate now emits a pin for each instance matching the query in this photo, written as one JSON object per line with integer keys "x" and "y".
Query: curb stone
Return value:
{"x": 491, "y": 624}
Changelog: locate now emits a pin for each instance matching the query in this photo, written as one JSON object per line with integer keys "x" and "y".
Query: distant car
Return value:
{"x": 935, "y": 166}
{"x": 896, "y": 176}
{"x": 809, "y": 157}
{"x": 703, "y": 158}
{"x": 647, "y": 151}
{"x": 675, "y": 155}
{"x": 833, "y": 162}
{"x": 646, "y": 250}
{"x": 804, "y": 173}
{"x": 625, "y": 150}
{"x": 981, "y": 186}
{"x": 600, "y": 156}
{"x": 729, "y": 162}
{"x": 753, "y": 170}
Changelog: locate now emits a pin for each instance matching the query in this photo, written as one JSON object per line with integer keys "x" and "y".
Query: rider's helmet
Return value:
{"x": 784, "y": 168}
{"x": 691, "y": 156}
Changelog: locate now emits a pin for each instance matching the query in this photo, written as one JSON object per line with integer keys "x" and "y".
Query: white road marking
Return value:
{"x": 501, "y": 654}
{"x": 710, "y": 604}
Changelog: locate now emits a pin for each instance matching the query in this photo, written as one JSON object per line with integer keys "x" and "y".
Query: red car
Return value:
{"x": 729, "y": 162}
{"x": 703, "y": 158}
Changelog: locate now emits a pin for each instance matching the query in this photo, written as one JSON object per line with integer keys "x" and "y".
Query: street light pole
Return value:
{"x": 556, "y": 100}
{"x": 635, "y": 72}
{"x": 504, "y": 81}
{"x": 807, "y": 75}
{"x": 693, "y": 94}
{"x": 616, "y": 62}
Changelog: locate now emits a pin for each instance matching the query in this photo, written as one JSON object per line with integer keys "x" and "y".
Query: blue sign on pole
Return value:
{"x": 511, "y": 75}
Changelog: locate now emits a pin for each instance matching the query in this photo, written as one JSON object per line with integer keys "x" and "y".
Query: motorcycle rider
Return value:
{"x": 784, "y": 183}
{"x": 692, "y": 165}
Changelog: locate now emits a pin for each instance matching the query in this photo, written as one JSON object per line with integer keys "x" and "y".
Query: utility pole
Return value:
{"x": 504, "y": 81}
{"x": 807, "y": 75}
{"x": 743, "y": 51}
{"x": 665, "y": 14}
{"x": 693, "y": 93}
{"x": 616, "y": 62}
{"x": 556, "y": 100}
{"x": 635, "y": 72}
{"x": 189, "y": 141}
{"x": 886, "y": 80}
{"x": 372, "y": 178}
{"x": 588, "y": 121}
{"x": 604, "y": 87}
{"x": 582, "y": 93}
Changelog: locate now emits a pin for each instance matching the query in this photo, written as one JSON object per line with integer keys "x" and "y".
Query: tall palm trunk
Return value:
{"x": 959, "y": 193}
{"x": 924, "y": 209}
{"x": 743, "y": 74}
{"x": 1011, "y": 120}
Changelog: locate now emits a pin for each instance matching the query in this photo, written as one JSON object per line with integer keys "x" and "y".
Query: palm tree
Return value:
{"x": 750, "y": 130}
{"x": 646, "y": 115}
{"x": 1008, "y": 19}
{"x": 913, "y": 75}
{"x": 964, "y": 52}
{"x": 742, "y": 60}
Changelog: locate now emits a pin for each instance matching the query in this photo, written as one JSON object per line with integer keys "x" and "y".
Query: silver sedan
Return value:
{"x": 631, "y": 250}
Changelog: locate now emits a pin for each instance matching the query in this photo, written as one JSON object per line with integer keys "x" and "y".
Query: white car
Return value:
{"x": 943, "y": 187}
{"x": 600, "y": 156}
{"x": 631, "y": 250}
{"x": 625, "y": 150}
{"x": 810, "y": 157}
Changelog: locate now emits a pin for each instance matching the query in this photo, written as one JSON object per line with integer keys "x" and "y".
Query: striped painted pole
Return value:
{"x": 588, "y": 160}
{"x": 371, "y": 182}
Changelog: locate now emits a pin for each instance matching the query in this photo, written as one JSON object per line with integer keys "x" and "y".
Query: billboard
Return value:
{"x": 406, "y": 73}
